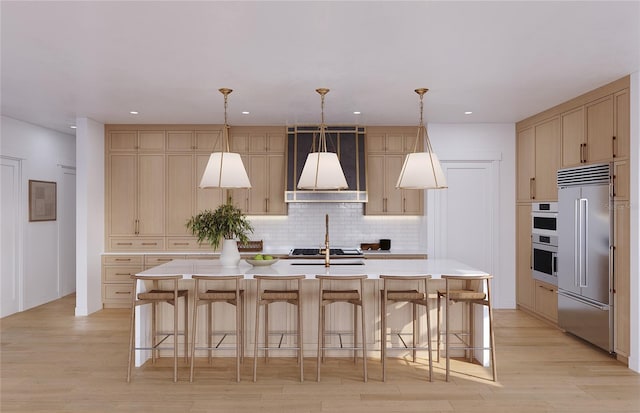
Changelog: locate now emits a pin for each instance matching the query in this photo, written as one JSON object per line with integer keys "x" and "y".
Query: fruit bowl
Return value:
{"x": 262, "y": 263}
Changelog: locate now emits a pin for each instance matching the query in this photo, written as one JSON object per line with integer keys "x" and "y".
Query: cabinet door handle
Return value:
{"x": 583, "y": 156}
{"x": 384, "y": 204}
{"x": 613, "y": 190}
{"x": 266, "y": 205}
{"x": 613, "y": 146}
{"x": 546, "y": 289}
{"x": 137, "y": 229}
{"x": 404, "y": 204}
{"x": 532, "y": 188}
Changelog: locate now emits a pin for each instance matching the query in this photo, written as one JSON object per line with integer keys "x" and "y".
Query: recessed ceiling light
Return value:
{"x": 134, "y": 112}
{"x": 468, "y": 112}
{"x": 245, "y": 112}
{"x": 73, "y": 126}
{"x": 357, "y": 113}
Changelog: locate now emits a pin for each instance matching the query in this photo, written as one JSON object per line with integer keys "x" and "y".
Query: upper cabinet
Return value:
{"x": 386, "y": 149}
{"x": 263, "y": 154}
{"x": 538, "y": 160}
{"x": 597, "y": 131}
{"x": 198, "y": 140}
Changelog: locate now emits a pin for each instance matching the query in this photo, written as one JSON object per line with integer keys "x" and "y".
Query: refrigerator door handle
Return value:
{"x": 576, "y": 241}
{"x": 584, "y": 239}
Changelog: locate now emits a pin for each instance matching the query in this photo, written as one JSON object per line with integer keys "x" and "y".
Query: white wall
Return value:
{"x": 41, "y": 152}
{"x": 89, "y": 215}
{"x": 493, "y": 143}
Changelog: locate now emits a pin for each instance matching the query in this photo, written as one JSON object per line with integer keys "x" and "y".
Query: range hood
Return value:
{"x": 347, "y": 142}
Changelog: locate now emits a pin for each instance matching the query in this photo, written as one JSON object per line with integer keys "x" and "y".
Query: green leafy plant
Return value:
{"x": 226, "y": 222}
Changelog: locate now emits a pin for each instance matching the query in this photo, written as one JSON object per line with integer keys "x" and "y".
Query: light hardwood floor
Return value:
{"x": 55, "y": 362}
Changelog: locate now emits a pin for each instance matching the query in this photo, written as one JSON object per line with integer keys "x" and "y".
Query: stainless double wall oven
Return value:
{"x": 544, "y": 242}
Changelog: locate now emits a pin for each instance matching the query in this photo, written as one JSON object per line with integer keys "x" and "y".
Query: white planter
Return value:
{"x": 230, "y": 256}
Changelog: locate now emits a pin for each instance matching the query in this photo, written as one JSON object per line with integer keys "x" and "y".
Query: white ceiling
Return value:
{"x": 502, "y": 60}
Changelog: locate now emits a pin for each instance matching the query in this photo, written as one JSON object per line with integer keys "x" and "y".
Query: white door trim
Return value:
{"x": 19, "y": 228}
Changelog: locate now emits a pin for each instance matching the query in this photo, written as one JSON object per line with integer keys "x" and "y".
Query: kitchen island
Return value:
{"x": 400, "y": 315}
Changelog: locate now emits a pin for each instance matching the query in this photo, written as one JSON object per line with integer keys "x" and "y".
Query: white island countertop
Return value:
{"x": 311, "y": 267}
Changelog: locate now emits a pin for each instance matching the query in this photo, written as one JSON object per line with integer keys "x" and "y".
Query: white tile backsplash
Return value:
{"x": 304, "y": 226}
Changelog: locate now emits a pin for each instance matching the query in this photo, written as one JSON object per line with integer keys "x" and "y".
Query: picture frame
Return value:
{"x": 42, "y": 201}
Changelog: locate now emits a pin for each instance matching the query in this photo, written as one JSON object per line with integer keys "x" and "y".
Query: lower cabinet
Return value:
{"x": 117, "y": 286}
{"x": 546, "y": 301}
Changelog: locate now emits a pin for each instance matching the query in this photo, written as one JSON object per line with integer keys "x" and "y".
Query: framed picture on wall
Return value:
{"x": 42, "y": 201}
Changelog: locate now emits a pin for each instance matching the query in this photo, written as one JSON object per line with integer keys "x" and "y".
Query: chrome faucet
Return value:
{"x": 327, "y": 250}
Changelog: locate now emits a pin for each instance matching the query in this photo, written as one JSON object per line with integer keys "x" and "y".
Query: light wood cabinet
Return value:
{"x": 538, "y": 160}
{"x": 137, "y": 141}
{"x": 547, "y": 160}
{"x": 573, "y": 137}
{"x": 194, "y": 140}
{"x": 524, "y": 280}
{"x": 598, "y": 131}
{"x": 525, "y": 161}
{"x": 621, "y": 180}
{"x": 263, "y": 154}
{"x": 386, "y": 149}
{"x": 181, "y": 184}
{"x": 117, "y": 285}
{"x": 621, "y": 281}
{"x": 135, "y": 194}
{"x": 546, "y": 300}
{"x": 622, "y": 124}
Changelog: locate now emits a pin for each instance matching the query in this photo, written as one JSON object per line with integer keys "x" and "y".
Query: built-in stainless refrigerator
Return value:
{"x": 585, "y": 234}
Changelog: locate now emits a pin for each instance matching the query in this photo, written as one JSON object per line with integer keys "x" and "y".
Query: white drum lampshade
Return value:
{"x": 225, "y": 170}
{"x": 421, "y": 170}
{"x": 322, "y": 170}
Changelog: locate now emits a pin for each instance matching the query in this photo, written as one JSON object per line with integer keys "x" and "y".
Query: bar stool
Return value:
{"x": 266, "y": 297}
{"x": 235, "y": 297}
{"x": 154, "y": 297}
{"x": 471, "y": 293}
{"x": 326, "y": 297}
{"x": 416, "y": 298}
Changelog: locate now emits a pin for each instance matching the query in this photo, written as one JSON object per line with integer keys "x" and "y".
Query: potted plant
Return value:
{"x": 226, "y": 223}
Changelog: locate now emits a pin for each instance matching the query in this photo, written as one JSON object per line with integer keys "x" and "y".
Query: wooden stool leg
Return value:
{"x": 256, "y": 335}
{"x": 429, "y": 345}
{"x": 209, "y": 331}
{"x": 300, "y": 342}
{"x": 446, "y": 328}
{"x": 193, "y": 330}
{"x": 320, "y": 353}
{"x": 238, "y": 335}
{"x": 438, "y": 330}
{"x": 242, "y": 328}
{"x": 266, "y": 332}
{"x": 491, "y": 334}
{"x": 175, "y": 332}
{"x": 186, "y": 328}
{"x": 364, "y": 331}
{"x": 355, "y": 333}
{"x": 413, "y": 331}
{"x": 383, "y": 333}
{"x": 132, "y": 332}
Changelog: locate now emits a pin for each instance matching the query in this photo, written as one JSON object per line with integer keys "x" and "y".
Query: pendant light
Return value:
{"x": 225, "y": 169}
{"x": 322, "y": 169}
{"x": 421, "y": 170}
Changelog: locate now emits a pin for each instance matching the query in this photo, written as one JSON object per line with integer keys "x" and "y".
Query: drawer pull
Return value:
{"x": 164, "y": 259}
{"x": 149, "y": 243}
{"x": 546, "y": 289}
{"x": 123, "y": 292}
{"x": 180, "y": 243}
{"x": 124, "y": 243}
{"x": 123, "y": 273}
{"x": 123, "y": 259}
